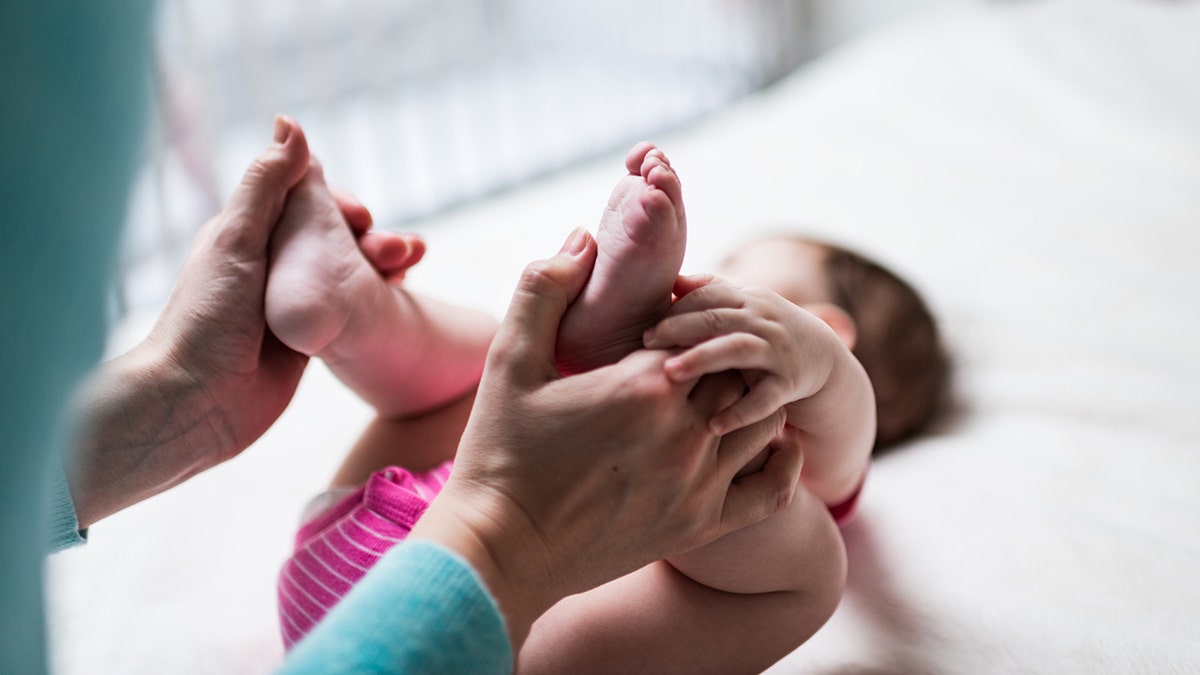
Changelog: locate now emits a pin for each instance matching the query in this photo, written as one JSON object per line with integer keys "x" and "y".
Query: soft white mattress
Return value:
{"x": 1035, "y": 169}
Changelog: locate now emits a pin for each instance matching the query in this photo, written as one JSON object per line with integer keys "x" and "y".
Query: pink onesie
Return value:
{"x": 336, "y": 546}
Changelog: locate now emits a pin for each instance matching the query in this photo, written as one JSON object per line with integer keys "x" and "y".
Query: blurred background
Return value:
{"x": 1033, "y": 167}
{"x": 419, "y": 106}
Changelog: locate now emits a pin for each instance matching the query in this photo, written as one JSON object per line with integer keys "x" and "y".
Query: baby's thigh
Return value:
{"x": 660, "y": 620}
{"x": 799, "y": 549}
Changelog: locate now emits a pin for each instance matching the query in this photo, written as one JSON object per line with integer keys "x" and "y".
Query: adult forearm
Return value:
{"x": 141, "y": 426}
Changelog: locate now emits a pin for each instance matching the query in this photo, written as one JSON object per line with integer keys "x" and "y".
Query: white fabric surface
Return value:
{"x": 1035, "y": 169}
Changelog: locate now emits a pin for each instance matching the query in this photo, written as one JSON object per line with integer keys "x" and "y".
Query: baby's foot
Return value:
{"x": 641, "y": 242}
{"x": 320, "y": 283}
{"x": 331, "y": 293}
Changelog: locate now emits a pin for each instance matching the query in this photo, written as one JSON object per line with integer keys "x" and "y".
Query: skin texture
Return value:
{"x": 211, "y": 377}
{"x": 640, "y": 246}
{"x": 736, "y": 604}
{"x": 578, "y": 499}
{"x": 793, "y": 359}
{"x": 550, "y": 485}
{"x": 325, "y": 298}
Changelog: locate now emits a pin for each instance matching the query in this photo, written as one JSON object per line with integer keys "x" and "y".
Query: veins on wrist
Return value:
{"x": 142, "y": 427}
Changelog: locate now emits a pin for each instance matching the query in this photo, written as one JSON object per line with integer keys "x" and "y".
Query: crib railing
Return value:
{"x": 421, "y": 105}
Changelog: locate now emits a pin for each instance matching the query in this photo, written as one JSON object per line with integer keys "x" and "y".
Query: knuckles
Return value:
{"x": 542, "y": 278}
{"x": 651, "y": 392}
{"x": 712, "y": 322}
{"x": 235, "y": 234}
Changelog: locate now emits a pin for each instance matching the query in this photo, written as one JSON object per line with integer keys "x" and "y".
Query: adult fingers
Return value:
{"x": 527, "y": 336}
{"x": 357, "y": 216}
{"x": 256, "y": 204}
{"x": 758, "y": 495}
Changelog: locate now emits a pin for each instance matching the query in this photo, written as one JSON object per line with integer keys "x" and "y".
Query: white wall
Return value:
{"x": 838, "y": 20}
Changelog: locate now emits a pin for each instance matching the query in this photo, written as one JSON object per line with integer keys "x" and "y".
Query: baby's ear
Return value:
{"x": 837, "y": 319}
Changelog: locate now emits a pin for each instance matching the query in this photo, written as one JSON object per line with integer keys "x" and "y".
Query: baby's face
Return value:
{"x": 791, "y": 267}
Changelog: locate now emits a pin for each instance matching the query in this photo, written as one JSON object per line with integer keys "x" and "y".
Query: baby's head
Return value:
{"x": 876, "y": 313}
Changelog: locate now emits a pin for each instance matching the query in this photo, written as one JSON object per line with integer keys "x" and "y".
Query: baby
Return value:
{"x": 880, "y": 316}
{"x": 786, "y": 313}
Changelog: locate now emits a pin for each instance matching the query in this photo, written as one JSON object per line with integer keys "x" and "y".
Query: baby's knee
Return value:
{"x": 819, "y": 573}
{"x": 818, "y": 586}
{"x": 828, "y": 585}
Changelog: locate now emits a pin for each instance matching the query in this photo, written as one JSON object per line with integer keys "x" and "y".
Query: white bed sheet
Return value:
{"x": 1035, "y": 169}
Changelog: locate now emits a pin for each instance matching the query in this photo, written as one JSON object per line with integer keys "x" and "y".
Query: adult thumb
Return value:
{"x": 257, "y": 202}
{"x": 524, "y": 343}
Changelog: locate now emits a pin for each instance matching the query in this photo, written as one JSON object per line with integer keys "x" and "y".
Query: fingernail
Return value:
{"x": 648, "y": 336}
{"x": 282, "y": 129}
{"x": 716, "y": 428}
{"x": 576, "y": 242}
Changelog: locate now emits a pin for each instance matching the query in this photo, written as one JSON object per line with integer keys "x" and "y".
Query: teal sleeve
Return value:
{"x": 64, "y": 524}
{"x": 421, "y": 609}
{"x": 73, "y": 85}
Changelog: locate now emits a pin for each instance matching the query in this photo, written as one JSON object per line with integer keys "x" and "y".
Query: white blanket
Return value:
{"x": 1035, "y": 169}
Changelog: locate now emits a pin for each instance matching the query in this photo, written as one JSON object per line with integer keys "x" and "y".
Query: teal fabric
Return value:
{"x": 73, "y": 77}
{"x": 64, "y": 525}
{"x": 421, "y": 609}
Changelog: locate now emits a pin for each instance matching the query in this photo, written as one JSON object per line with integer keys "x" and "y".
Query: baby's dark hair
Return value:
{"x": 898, "y": 343}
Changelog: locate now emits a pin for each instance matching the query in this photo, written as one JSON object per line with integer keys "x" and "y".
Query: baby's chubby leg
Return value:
{"x": 640, "y": 241}
{"x": 737, "y": 605}
{"x": 799, "y": 549}
{"x": 401, "y": 352}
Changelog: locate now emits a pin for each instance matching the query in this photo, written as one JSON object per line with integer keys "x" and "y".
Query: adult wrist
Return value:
{"x": 516, "y": 570}
{"x": 142, "y": 425}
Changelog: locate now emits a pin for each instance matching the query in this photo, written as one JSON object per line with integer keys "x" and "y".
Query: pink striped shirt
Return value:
{"x": 337, "y": 547}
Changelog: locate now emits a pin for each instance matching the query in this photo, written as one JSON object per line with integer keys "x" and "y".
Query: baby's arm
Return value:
{"x": 744, "y": 601}
{"x": 790, "y": 359}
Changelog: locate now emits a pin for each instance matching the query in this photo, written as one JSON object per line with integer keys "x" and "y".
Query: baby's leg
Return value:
{"x": 418, "y": 443}
{"x": 661, "y": 620}
{"x": 641, "y": 242}
{"x": 400, "y": 351}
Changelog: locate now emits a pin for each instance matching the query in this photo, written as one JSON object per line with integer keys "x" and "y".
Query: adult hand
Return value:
{"x": 210, "y": 378}
{"x": 561, "y": 484}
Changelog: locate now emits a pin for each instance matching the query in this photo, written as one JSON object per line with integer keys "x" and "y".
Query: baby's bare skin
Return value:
{"x": 402, "y": 352}
{"x": 405, "y": 353}
{"x": 641, "y": 241}
{"x": 737, "y": 604}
